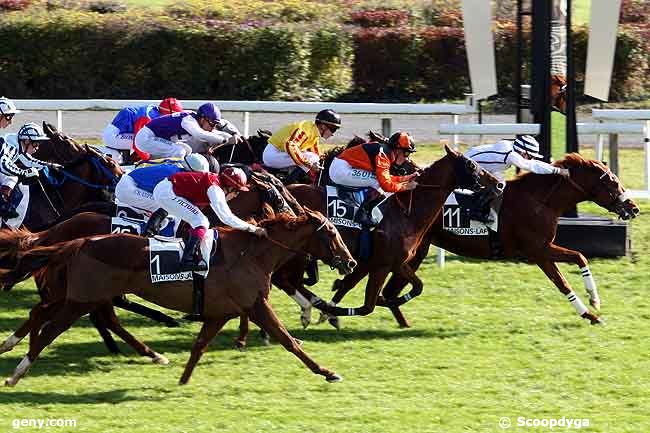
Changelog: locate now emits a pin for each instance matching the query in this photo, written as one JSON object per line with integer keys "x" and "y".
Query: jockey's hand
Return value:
{"x": 261, "y": 232}
{"x": 31, "y": 172}
{"x": 411, "y": 185}
{"x": 235, "y": 139}
{"x": 413, "y": 176}
{"x": 56, "y": 166}
{"x": 564, "y": 172}
{"x": 315, "y": 167}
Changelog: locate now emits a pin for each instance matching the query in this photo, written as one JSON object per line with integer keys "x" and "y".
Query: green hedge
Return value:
{"x": 64, "y": 54}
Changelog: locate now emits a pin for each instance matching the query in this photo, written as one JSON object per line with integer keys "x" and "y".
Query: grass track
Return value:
{"x": 488, "y": 340}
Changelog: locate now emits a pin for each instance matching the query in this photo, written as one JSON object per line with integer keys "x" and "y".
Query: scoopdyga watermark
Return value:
{"x": 550, "y": 423}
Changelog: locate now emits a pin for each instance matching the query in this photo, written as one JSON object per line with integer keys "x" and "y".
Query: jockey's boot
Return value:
{"x": 480, "y": 210}
{"x": 192, "y": 261}
{"x": 198, "y": 296}
{"x": 364, "y": 214}
{"x": 294, "y": 176}
{"x": 155, "y": 222}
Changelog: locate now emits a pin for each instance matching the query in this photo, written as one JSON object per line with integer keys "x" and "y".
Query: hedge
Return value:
{"x": 84, "y": 54}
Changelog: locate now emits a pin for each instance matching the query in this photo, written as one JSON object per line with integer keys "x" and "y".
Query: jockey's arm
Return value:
{"x": 292, "y": 147}
{"x": 220, "y": 206}
{"x": 532, "y": 165}
{"x": 192, "y": 127}
{"x": 8, "y": 167}
{"x": 388, "y": 182}
{"x": 30, "y": 161}
{"x": 228, "y": 127}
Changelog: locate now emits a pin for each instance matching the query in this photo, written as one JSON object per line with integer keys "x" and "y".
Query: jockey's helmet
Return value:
{"x": 31, "y": 131}
{"x": 401, "y": 140}
{"x": 196, "y": 162}
{"x": 169, "y": 106}
{"x": 210, "y": 112}
{"x": 527, "y": 144}
{"x": 7, "y": 107}
{"x": 330, "y": 118}
{"x": 234, "y": 177}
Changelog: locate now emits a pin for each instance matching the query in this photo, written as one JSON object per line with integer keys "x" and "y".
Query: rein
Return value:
{"x": 68, "y": 175}
{"x": 407, "y": 210}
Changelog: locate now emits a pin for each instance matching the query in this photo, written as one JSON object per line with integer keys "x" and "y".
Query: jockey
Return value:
{"x": 368, "y": 165}
{"x": 7, "y": 112}
{"x": 178, "y": 134}
{"x": 296, "y": 144}
{"x": 496, "y": 158}
{"x": 119, "y": 134}
{"x": 135, "y": 189}
{"x": 19, "y": 147}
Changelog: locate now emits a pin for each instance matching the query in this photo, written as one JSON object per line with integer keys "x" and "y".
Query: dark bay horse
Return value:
{"x": 87, "y": 176}
{"x": 528, "y": 221}
{"x": 96, "y": 269}
{"x": 407, "y": 218}
{"x": 252, "y": 204}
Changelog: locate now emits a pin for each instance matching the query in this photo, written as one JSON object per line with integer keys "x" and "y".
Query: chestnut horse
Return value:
{"x": 539, "y": 201}
{"x": 246, "y": 205}
{"x": 407, "y": 218}
{"x": 558, "y": 93}
{"x": 96, "y": 269}
{"x": 87, "y": 176}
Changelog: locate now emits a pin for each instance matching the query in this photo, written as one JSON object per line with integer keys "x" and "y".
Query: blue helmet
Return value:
{"x": 209, "y": 111}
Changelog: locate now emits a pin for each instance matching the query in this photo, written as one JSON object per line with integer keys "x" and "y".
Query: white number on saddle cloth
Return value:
{"x": 126, "y": 225}
{"x": 458, "y": 222}
{"x": 130, "y": 220}
{"x": 165, "y": 260}
{"x": 340, "y": 212}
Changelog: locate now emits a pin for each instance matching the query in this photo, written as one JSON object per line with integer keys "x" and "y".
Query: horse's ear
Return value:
{"x": 449, "y": 150}
{"x": 49, "y": 129}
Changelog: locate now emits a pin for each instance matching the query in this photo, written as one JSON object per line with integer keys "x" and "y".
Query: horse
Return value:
{"x": 558, "y": 93}
{"x": 89, "y": 272}
{"x": 407, "y": 218}
{"x": 87, "y": 176}
{"x": 248, "y": 152}
{"x": 539, "y": 201}
{"x": 257, "y": 203}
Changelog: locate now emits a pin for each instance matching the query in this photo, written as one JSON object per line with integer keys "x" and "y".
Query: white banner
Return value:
{"x": 603, "y": 27}
{"x": 479, "y": 41}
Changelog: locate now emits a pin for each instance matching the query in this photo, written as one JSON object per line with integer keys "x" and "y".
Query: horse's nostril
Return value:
{"x": 352, "y": 264}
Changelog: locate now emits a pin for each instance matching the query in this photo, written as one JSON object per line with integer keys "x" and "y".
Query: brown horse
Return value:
{"x": 246, "y": 205}
{"x": 558, "y": 93}
{"x": 537, "y": 200}
{"x": 87, "y": 176}
{"x": 407, "y": 218}
{"x": 96, "y": 269}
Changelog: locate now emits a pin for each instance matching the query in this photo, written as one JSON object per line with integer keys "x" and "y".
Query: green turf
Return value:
{"x": 488, "y": 340}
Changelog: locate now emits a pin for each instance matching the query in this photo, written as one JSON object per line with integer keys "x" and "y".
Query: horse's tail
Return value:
{"x": 108, "y": 208}
{"x": 34, "y": 259}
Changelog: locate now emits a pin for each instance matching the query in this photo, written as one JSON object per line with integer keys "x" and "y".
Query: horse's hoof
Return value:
{"x": 266, "y": 342}
{"x": 305, "y": 321}
{"x": 11, "y": 382}
{"x": 332, "y": 378}
{"x": 404, "y": 325}
{"x": 597, "y": 321}
{"x": 595, "y": 304}
{"x": 240, "y": 345}
{"x": 160, "y": 359}
{"x": 322, "y": 318}
{"x": 335, "y": 322}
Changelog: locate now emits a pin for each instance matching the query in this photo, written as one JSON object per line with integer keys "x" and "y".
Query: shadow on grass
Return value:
{"x": 73, "y": 397}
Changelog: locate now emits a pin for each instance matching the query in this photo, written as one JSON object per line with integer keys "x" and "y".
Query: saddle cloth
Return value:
{"x": 456, "y": 219}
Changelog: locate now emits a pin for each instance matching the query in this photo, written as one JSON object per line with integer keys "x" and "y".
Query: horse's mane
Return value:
{"x": 570, "y": 160}
{"x": 288, "y": 221}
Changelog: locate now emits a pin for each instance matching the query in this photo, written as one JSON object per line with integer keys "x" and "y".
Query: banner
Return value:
{"x": 603, "y": 27}
{"x": 479, "y": 41}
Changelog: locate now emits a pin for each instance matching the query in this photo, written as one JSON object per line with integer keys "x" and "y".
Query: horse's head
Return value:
{"x": 558, "y": 93}
{"x": 327, "y": 245}
{"x": 599, "y": 185}
{"x": 470, "y": 175}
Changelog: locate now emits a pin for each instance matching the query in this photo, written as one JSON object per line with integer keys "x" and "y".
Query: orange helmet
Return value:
{"x": 169, "y": 106}
{"x": 401, "y": 140}
{"x": 234, "y": 177}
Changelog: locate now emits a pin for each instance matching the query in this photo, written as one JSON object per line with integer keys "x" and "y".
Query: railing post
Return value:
{"x": 247, "y": 124}
{"x": 454, "y": 138}
{"x": 613, "y": 153}
{"x": 385, "y": 127}
{"x": 599, "y": 146}
{"x": 440, "y": 258}
{"x": 646, "y": 146}
{"x": 59, "y": 120}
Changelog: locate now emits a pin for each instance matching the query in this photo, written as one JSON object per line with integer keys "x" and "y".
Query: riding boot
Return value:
{"x": 154, "y": 223}
{"x": 191, "y": 261}
{"x": 364, "y": 214}
{"x": 294, "y": 176}
{"x": 480, "y": 210}
{"x": 198, "y": 297}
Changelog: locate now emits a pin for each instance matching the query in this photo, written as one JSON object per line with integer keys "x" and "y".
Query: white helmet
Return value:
{"x": 32, "y": 132}
{"x": 196, "y": 162}
{"x": 7, "y": 106}
{"x": 527, "y": 144}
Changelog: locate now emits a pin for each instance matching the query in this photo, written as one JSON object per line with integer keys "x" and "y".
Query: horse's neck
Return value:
{"x": 272, "y": 256}
{"x": 551, "y": 192}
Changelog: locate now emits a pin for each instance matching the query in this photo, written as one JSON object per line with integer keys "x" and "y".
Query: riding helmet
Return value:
{"x": 401, "y": 140}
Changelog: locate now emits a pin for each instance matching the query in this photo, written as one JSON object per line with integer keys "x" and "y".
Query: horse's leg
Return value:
{"x": 240, "y": 342}
{"x": 341, "y": 288}
{"x": 109, "y": 318}
{"x": 265, "y": 317}
{"x": 61, "y": 321}
{"x": 290, "y": 282}
{"x": 556, "y": 253}
{"x": 100, "y": 325}
{"x": 37, "y": 317}
{"x": 553, "y": 273}
{"x": 376, "y": 280}
{"x": 207, "y": 333}
{"x": 124, "y": 303}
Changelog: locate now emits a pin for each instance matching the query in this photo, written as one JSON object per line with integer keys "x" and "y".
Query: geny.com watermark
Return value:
{"x": 564, "y": 422}
{"x": 40, "y": 423}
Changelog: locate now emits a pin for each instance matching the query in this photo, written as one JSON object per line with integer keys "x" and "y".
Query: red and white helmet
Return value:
{"x": 234, "y": 177}
{"x": 169, "y": 106}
